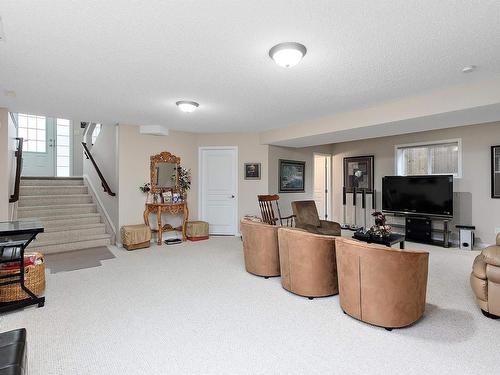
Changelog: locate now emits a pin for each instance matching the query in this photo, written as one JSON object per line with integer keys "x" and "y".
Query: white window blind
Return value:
{"x": 442, "y": 157}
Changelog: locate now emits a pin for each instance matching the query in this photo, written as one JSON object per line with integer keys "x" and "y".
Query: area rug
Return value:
{"x": 77, "y": 260}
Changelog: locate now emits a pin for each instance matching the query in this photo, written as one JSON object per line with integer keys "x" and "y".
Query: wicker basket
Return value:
{"x": 34, "y": 279}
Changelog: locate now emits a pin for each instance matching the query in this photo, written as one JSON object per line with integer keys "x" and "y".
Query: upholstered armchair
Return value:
{"x": 307, "y": 262}
{"x": 307, "y": 218}
{"x": 379, "y": 285}
{"x": 485, "y": 280}
{"x": 260, "y": 248}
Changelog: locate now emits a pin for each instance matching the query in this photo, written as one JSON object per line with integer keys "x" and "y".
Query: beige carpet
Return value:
{"x": 192, "y": 309}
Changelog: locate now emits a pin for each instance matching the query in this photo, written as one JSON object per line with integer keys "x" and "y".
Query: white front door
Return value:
{"x": 321, "y": 193}
{"x": 218, "y": 189}
{"x": 38, "y": 133}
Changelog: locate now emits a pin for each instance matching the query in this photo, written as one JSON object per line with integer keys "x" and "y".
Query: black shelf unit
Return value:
{"x": 15, "y": 236}
{"x": 419, "y": 229}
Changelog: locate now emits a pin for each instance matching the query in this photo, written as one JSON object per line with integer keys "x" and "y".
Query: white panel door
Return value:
{"x": 218, "y": 189}
{"x": 321, "y": 190}
{"x": 38, "y": 133}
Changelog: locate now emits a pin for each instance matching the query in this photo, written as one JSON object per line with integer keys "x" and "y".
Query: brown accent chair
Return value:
{"x": 307, "y": 218}
{"x": 485, "y": 280}
{"x": 379, "y": 285}
{"x": 307, "y": 260}
{"x": 260, "y": 248}
{"x": 267, "y": 211}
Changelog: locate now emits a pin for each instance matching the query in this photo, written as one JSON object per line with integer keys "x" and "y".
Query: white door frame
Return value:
{"x": 328, "y": 177}
{"x": 236, "y": 182}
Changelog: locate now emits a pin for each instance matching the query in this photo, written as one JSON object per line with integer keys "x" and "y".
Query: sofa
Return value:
{"x": 260, "y": 248}
{"x": 485, "y": 280}
{"x": 379, "y": 285}
{"x": 307, "y": 263}
{"x": 307, "y": 218}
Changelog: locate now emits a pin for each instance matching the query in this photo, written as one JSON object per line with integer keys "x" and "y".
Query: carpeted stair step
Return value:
{"x": 95, "y": 241}
{"x": 56, "y": 210}
{"x": 52, "y": 190}
{"x": 46, "y": 200}
{"x": 69, "y": 235}
{"x": 51, "y": 181}
{"x": 64, "y": 221}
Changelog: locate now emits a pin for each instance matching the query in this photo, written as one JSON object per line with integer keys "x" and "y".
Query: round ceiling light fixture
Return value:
{"x": 187, "y": 105}
{"x": 469, "y": 69}
{"x": 287, "y": 54}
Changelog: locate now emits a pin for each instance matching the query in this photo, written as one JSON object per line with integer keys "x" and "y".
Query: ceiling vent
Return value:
{"x": 153, "y": 130}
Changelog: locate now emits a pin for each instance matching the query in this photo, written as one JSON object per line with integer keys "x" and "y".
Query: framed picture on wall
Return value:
{"x": 291, "y": 176}
{"x": 252, "y": 171}
{"x": 358, "y": 173}
{"x": 495, "y": 171}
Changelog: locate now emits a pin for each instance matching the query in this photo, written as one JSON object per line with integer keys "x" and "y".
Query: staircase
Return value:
{"x": 67, "y": 211}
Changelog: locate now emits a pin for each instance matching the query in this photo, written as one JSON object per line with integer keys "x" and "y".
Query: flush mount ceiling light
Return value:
{"x": 469, "y": 69}
{"x": 287, "y": 54}
{"x": 186, "y": 105}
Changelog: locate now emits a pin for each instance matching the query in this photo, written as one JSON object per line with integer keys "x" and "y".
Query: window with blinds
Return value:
{"x": 443, "y": 157}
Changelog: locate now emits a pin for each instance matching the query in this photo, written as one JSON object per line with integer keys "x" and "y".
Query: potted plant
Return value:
{"x": 184, "y": 181}
{"x": 145, "y": 188}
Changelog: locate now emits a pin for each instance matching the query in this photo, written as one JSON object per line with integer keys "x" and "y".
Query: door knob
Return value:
{"x": 232, "y": 196}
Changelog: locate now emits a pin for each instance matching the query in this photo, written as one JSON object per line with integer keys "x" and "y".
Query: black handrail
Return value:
{"x": 19, "y": 167}
{"x": 104, "y": 184}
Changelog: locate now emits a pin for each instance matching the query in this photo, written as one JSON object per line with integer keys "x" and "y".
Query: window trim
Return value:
{"x": 397, "y": 161}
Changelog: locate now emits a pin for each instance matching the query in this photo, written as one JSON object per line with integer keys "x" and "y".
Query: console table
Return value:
{"x": 169, "y": 208}
{"x": 15, "y": 236}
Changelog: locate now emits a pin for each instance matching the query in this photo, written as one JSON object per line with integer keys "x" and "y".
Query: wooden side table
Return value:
{"x": 169, "y": 208}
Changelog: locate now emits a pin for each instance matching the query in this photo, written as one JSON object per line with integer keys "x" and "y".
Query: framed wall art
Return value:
{"x": 291, "y": 176}
{"x": 495, "y": 171}
{"x": 359, "y": 173}
{"x": 252, "y": 171}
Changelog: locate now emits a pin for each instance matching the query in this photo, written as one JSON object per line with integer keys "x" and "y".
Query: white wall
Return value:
{"x": 77, "y": 149}
{"x": 134, "y": 151}
{"x": 473, "y": 205}
{"x": 298, "y": 154}
{"x": 4, "y": 164}
{"x": 105, "y": 153}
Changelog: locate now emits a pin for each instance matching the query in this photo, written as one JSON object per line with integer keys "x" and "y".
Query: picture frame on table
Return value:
{"x": 291, "y": 176}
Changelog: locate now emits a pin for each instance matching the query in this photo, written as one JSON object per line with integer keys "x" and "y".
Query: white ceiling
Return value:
{"x": 130, "y": 61}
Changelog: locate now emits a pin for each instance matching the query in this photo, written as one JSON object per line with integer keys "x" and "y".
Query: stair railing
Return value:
{"x": 104, "y": 184}
{"x": 19, "y": 167}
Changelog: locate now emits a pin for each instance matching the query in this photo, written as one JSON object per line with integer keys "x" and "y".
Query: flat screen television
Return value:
{"x": 418, "y": 195}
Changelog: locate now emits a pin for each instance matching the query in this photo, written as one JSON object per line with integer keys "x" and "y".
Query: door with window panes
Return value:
{"x": 47, "y": 145}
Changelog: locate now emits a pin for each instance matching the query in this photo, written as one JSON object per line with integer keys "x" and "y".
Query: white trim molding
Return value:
{"x": 100, "y": 205}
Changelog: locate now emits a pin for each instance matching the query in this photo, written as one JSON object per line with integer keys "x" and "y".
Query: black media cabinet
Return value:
{"x": 419, "y": 229}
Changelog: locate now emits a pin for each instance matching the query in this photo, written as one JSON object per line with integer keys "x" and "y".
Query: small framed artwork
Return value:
{"x": 252, "y": 171}
{"x": 495, "y": 171}
{"x": 291, "y": 176}
{"x": 358, "y": 173}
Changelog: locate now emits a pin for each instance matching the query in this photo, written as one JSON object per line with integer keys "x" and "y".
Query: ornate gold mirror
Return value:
{"x": 164, "y": 174}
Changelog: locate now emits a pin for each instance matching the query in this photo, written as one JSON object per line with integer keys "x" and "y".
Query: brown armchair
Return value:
{"x": 379, "y": 285}
{"x": 485, "y": 280}
{"x": 307, "y": 218}
{"x": 307, "y": 262}
{"x": 260, "y": 248}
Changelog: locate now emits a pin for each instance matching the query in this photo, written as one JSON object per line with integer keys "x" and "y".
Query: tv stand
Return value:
{"x": 419, "y": 229}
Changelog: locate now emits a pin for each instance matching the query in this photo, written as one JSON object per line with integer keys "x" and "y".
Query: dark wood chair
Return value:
{"x": 267, "y": 211}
